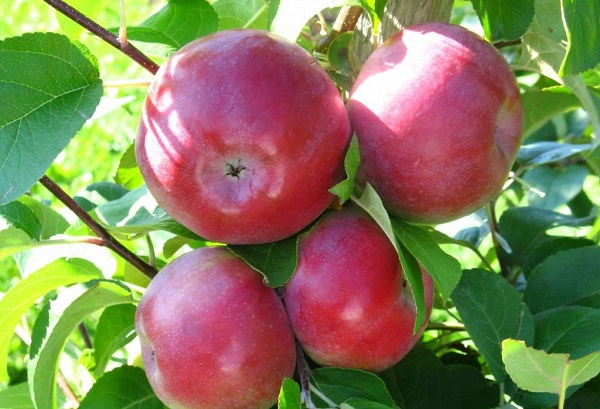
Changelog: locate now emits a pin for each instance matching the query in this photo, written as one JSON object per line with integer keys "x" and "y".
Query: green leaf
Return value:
{"x": 551, "y": 187}
{"x": 292, "y": 15}
{"x": 338, "y": 55}
{"x": 123, "y": 387}
{"x": 275, "y": 261}
{"x": 540, "y": 153}
{"x": 538, "y": 371}
{"x": 492, "y": 311}
{"x": 176, "y": 24}
{"x": 423, "y": 381}
{"x": 581, "y": 18}
{"x": 539, "y": 106}
{"x": 549, "y": 247}
{"x": 18, "y": 215}
{"x": 524, "y": 228}
{"x": 16, "y": 397}
{"x": 241, "y": 14}
{"x": 26, "y": 292}
{"x": 289, "y": 395}
{"x": 52, "y": 222}
{"x": 542, "y": 44}
{"x": 371, "y": 203}
{"x": 13, "y": 240}
{"x": 412, "y": 273}
{"x": 136, "y": 213}
{"x": 442, "y": 267}
{"x": 567, "y": 278}
{"x": 340, "y": 384}
{"x": 474, "y": 390}
{"x": 115, "y": 329}
{"x": 66, "y": 312}
{"x": 351, "y": 162}
{"x": 128, "y": 174}
{"x": 376, "y": 9}
{"x": 571, "y": 329}
{"x": 362, "y": 403}
{"x": 50, "y": 87}
{"x": 504, "y": 20}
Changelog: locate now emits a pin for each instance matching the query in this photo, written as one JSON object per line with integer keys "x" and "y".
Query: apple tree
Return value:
{"x": 300, "y": 204}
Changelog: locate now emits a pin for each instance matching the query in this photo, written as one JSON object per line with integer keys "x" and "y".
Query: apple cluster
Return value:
{"x": 242, "y": 134}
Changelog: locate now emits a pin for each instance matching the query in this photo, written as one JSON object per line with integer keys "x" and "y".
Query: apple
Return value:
{"x": 213, "y": 335}
{"x": 346, "y": 301}
{"x": 438, "y": 118}
{"x": 241, "y": 135}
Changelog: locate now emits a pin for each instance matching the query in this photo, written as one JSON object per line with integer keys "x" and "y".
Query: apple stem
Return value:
{"x": 107, "y": 239}
{"x": 104, "y": 34}
{"x": 303, "y": 372}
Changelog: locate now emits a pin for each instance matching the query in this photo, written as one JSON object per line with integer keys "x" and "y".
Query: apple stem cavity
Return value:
{"x": 234, "y": 170}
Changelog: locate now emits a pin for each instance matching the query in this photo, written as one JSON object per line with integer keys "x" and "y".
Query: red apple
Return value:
{"x": 213, "y": 335}
{"x": 242, "y": 133}
{"x": 438, "y": 117}
{"x": 346, "y": 301}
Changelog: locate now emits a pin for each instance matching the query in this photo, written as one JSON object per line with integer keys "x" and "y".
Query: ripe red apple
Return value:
{"x": 242, "y": 133}
{"x": 213, "y": 335}
{"x": 346, "y": 301}
{"x": 438, "y": 118}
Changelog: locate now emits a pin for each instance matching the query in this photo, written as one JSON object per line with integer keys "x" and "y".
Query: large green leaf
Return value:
{"x": 22, "y": 296}
{"x": 115, "y": 329}
{"x": 16, "y": 397}
{"x": 289, "y": 395}
{"x": 540, "y": 153}
{"x": 504, "y": 20}
{"x": 123, "y": 387}
{"x": 65, "y": 314}
{"x": 551, "y": 187}
{"x": 50, "y": 87}
{"x": 492, "y": 311}
{"x": 241, "y": 14}
{"x": 537, "y": 371}
{"x": 582, "y": 24}
{"x": 18, "y": 215}
{"x": 351, "y": 163}
{"x": 176, "y": 24}
{"x": 539, "y": 106}
{"x": 567, "y": 278}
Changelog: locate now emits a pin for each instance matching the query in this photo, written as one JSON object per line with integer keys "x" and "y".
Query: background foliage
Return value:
{"x": 518, "y": 304}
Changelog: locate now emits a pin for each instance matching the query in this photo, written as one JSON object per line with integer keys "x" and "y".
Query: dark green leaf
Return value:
{"x": 26, "y": 292}
{"x": 18, "y": 215}
{"x": 115, "y": 329}
{"x": 337, "y": 53}
{"x": 128, "y": 174}
{"x": 339, "y": 385}
{"x": 412, "y": 273}
{"x": 492, "y": 311}
{"x": 524, "y": 228}
{"x": 66, "y": 312}
{"x": 572, "y": 330}
{"x": 540, "y": 153}
{"x": 275, "y": 261}
{"x": 289, "y": 395}
{"x": 176, "y": 24}
{"x": 474, "y": 390}
{"x": 362, "y": 403}
{"x": 50, "y": 87}
{"x": 551, "y": 187}
{"x": 351, "y": 162}
{"x": 567, "y": 278}
{"x": 123, "y": 387}
{"x": 241, "y": 14}
{"x": 442, "y": 267}
{"x": 581, "y": 18}
{"x": 549, "y": 247}
{"x": 423, "y": 381}
{"x": 52, "y": 221}
{"x": 504, "y": 20}
{"x": 539, "y": 106}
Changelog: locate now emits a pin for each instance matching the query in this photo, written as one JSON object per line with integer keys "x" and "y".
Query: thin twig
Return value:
{"x": 85, "y": 335}
{"x": 345, "y": 21}
{"x": 501, "y": 44}
{"x": 303, "y": 372}
{"x": 66, "y": 389}
{"x": 107, "y": 239}
{"x": 104, "y": 34}
{"x": 491, "y": 211}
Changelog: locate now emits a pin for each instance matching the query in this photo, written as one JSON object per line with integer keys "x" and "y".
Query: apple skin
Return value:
{"x": 241, "y": 135}
{"x": 346, "y": 301}
{"x": 213, "y": 335}
{"x": 438, "y": 118}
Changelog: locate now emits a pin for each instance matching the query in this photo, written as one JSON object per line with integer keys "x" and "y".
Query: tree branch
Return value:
{"x": 345, "y": 21}
{"x": 107, "y": 239}
{"x": 104, "y": 34}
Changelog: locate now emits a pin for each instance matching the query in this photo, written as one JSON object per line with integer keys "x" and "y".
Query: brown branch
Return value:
{"x": 107, "y": 239}
{"x": 66, "y": 389}
{"x": 345, "y": 21}
{"x": 501, "y": 44}
{"x": 104, "y": 34}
